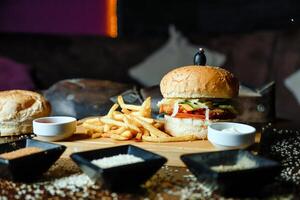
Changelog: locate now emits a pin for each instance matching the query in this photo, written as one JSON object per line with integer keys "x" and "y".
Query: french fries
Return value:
{"x": 118, "y": 130}
{"x": 118, "y": 137}
{"x": 130, "y": 124}
{"x": 152, "y": 129}
{"x": 96, "y": 135}
{"x": 133, "y": 122}
{"x": 93, "y": 127}
{"x": 127, "y": 106}
{"x": 111, "y": 121}
{"x": 169, "y": 139}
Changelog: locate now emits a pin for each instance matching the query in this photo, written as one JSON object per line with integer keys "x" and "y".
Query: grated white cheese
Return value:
{"x": 118, "y": 160}
{"x": 242, "y": 163}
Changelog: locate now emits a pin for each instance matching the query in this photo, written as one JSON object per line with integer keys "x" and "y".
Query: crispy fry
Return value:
{"x": 106, "y": 135}
{"x": 111, "y": 110}
{"x": 112, "y": 122}
{"x": 93, "y": 127}
{"x": 117, "y": 137}
{"x": 95, "y": 121}
{"x": 89, "y": 131}
{"x": 146, "y": 132}
{"x": 118, "y": 116}
{"x": 113, "y": 127}
{"x": 132, "y": 120}
{"x": 169, "y": 139}
{"x": 147, "y": 103}
{"x": 152, "y": 135}
{"x": 145, "y": 110}
{"x": 126, "y": 111}
{"x": 146, "y": 119}
{"x": 127, "y": 106}
{"x": 96, "y": 135}
{"x": 136, "y": 113}
{"x": 138, "y": 137}
{"x": 106, "y": 127}
{"x": 130, "y": 124}
{"x": 119, "y": 130}
{"x": 127, "y": 134}
{"x": 152, "y": 129}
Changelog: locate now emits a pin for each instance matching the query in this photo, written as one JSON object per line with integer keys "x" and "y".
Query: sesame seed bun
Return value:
{"x": 199, "y": 82}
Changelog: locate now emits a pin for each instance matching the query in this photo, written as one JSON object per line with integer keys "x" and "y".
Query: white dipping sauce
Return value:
{"x": 230, "y": 130}
{"x": 230, "y": 134}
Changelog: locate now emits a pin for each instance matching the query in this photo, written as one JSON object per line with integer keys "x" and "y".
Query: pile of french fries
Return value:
{"x": 131, "y": 122}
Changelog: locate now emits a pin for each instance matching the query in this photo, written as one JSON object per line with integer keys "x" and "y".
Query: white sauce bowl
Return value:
{"x": 235, "y": 135}
{"x": 54, "y": 128}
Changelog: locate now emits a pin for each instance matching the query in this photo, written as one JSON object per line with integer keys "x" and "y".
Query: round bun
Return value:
{"x": 18, "y": 108}
{"x": 179, "y": 127}
{"x": 199, "y": 82}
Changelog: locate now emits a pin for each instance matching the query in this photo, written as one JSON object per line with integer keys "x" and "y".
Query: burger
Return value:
{"x": 194, "y": 96}
{"x": 18, "y": 108}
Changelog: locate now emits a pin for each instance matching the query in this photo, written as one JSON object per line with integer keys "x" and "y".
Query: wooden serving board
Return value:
{"x": 171, "y": 150}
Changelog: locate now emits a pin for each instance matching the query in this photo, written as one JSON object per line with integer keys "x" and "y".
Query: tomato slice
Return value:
{"x": 188, "y": 115}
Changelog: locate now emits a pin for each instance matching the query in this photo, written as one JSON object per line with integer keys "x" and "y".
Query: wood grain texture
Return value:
{"x": 171, "y": 150}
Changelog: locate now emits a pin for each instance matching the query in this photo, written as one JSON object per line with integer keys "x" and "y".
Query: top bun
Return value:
{"x": 17, "y": 110}
{"x": 199, "y": 82}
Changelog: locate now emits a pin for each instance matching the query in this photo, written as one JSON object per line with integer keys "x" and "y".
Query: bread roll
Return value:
{"x": 199, "y": 82}
{"x": 18, "y": 108}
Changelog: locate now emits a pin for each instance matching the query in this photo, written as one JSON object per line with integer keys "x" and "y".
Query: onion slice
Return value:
{"x": 207, "y": 113}
{"x": 175, "y": 109}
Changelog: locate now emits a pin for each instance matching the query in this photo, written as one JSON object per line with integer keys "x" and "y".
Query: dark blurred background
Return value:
{"x": 42, "y": 42}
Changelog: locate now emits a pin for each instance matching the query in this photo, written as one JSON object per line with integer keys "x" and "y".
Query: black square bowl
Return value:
{"x": 29, "y": 167}
{"x": 124, "y": 177}
{"x": 238, "y": 181}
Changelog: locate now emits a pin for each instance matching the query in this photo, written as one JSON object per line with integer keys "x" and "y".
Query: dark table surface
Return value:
{"x": 65, "y": 181}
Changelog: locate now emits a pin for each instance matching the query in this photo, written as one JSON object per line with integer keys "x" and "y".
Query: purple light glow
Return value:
{"x": 79, "y": 17}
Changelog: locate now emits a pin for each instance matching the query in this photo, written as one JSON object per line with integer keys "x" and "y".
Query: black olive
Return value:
{"x": 200, "y": 58}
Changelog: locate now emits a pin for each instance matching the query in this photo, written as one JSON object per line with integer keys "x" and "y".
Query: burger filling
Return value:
{"x": 197, "y": 109}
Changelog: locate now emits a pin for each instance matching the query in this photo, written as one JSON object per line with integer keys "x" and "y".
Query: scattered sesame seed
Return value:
{"x": 283, "y": 145}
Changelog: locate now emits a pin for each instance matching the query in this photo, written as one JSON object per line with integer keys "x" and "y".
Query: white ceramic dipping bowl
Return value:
{"x": 231, "y": 135}
{"x": 54, "y": 128}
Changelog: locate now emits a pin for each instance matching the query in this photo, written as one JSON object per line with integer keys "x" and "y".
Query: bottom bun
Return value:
{"x": 186, "y": 126}
{"x": 11, "y": 129}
